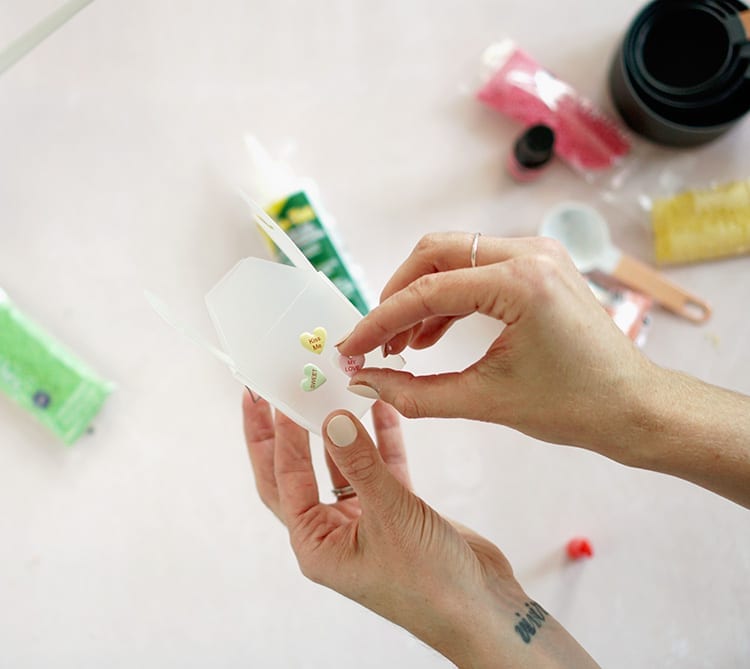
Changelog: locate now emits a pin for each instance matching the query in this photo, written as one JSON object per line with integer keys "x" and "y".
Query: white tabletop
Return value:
{"x": 145, "y": 545}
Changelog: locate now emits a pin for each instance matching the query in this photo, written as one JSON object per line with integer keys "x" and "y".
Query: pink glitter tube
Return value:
{"x": 519, "y": 87}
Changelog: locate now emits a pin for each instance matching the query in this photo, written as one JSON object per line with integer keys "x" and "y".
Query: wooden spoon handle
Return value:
{"x": 647, "y": 280}
{"x": 745, "y": 20}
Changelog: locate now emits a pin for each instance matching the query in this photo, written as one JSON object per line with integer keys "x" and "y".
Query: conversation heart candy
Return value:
{"x": 351, "y": 364}
{"x": 315, "y": 342}
{"x": 314, "y": 378}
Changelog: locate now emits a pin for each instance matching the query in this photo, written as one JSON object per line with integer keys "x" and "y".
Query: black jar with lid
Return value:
{"x": 682, "y": 73}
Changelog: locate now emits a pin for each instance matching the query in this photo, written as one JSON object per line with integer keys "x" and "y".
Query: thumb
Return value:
{"x": 355, "y": 454}
{"x": 446, "y": 395}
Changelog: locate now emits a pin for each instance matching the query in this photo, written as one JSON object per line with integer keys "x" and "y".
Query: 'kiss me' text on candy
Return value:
{"x": 314, "y": 342}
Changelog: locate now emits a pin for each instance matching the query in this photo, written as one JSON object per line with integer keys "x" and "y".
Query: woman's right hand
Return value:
{"x": 560, "y": 370}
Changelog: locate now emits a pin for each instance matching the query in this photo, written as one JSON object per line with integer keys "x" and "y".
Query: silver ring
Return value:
{"x": 474, "y": 247}
{"x": 345, "y": 492}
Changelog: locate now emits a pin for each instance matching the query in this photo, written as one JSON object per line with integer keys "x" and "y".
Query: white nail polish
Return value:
{"x": 341, "y": 430}
{"x": 364, "y": 391}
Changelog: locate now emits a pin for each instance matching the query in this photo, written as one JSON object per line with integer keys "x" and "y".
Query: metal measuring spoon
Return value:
{"x": 584, "y": 233}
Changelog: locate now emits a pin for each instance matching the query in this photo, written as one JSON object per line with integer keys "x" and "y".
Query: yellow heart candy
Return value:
{"x": 315, "y": 342}
{"x": 314, "y": 378}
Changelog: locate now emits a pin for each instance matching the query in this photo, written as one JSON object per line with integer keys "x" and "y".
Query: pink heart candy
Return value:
{"x": 351, "y": 364}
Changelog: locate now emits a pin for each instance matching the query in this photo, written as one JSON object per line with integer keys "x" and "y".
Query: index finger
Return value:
{"x": 260, "y": 435}
{"x": 445, "y": 251}
{"x": 489, "y": 290}
{"x": 295, "y": 478}
{"x": 390, "y": 440}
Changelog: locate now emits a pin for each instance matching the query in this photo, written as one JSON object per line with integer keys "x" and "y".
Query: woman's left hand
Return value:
{"x": 388, "y": 550}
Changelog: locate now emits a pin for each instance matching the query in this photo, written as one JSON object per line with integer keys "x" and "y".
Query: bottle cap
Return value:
{"x": 578, "y": 548}
{"x": 534, "y": 147}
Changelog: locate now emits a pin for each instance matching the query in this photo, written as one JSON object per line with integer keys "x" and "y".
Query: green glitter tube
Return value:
{"x": 44, "y": 378}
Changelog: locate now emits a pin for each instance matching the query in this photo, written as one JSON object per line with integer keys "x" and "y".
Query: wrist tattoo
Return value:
{"x": 528, "y": 624}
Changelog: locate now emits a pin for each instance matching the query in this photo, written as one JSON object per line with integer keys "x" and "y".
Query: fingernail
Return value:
{"x": 385, "y": 349}
{"x": 343, "y": 339}
{"x": 341, "y": 430}
{"x": 253, "y": 396}
{"x": 364, "y": 391}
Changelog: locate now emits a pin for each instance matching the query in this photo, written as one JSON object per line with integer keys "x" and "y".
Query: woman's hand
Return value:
{"x": 560, "y": 370}
{"x": 388, "y": 550}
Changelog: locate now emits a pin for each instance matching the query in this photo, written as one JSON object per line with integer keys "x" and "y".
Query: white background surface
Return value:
{"x": 145, "y": 545}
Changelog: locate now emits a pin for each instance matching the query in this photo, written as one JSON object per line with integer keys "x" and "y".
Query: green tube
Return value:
{"x": 297, "y": 217}
{"x": 40, "y": 375}
{"x": 289, "y": 200}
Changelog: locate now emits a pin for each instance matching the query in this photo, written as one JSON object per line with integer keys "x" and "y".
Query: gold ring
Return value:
{"x": 474, "y": 247}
